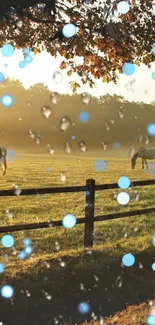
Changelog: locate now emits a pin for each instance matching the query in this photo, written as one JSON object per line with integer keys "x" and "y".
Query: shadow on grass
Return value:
{"x": 48, "y": 292}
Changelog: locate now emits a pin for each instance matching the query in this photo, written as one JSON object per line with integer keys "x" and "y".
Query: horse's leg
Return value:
{"x": 4, "y": 166}
{"x": 146, "y": 163}
{"x": 142, "y": 163}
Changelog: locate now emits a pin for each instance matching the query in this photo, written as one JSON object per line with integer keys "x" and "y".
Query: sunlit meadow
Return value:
{"x": 35, "y": 171}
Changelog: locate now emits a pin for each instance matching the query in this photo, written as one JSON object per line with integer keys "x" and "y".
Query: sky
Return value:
{"x": 138, "y": 88}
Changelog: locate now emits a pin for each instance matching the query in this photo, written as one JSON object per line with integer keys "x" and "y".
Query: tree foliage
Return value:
{"x": 105, "y": 40}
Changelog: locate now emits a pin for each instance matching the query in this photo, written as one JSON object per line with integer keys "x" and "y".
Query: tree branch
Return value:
{"x": 37, "y": 20}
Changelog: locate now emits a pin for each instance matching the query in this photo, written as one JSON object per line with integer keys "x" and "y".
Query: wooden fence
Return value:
{"x": 90, "y": 188}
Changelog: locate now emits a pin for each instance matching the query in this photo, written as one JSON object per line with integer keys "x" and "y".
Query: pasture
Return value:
{"x": 59, "y": 265}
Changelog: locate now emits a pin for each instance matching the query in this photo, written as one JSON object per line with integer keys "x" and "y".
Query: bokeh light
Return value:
{"x": 7, "y": 291}
{"x": 84, "y": 117}
{"x": 153, "y": 75}
{"x": 123, "y": 182}
{"x": 69, "y": 30}
{"x": 123, "y": 198}
{"x": 84, "y": 308}
{"x": 69, "y": 221}
{"x": 10, "y": 154}
{"x": 153, "y": 240}
{"x": 151, "y": 319}
{"x": 22, "y": 64}
{"x": 27, "y": 241}
{"x": 28, "y": 250}
{"x": 28, "y": 59}
{"x": 117, "y": 145}
{"x": 153, "y": 266}
{"x": 153, "y": 49}
{"x": 1, "y": 268}
{"x": 7, "y": 50}
{"x": 26, "y": 51}
{"x": 128, "y": 259}
{"x": 123, "y": 7}
{"x": 151, "y": 129}
{"x": 2, "y": 77}
{"x": 7, "y": 241}
{"x": 22, "y": 255}
{"x": 100, "y": 165}
{"x": 7, "y": 100}
{"x": 128, "y": 69}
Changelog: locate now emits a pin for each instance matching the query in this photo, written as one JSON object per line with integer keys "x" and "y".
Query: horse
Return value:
{"x": 143, "y": 153}
{"x": 3, "y": 154}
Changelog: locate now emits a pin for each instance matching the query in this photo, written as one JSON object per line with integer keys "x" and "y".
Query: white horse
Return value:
{"x": 143, "y": 153}
{"x": 3, "y": 154}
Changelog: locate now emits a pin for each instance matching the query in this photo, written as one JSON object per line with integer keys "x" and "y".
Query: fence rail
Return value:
{"x": 72, "y": 189}
{"x": 90, "y": 188}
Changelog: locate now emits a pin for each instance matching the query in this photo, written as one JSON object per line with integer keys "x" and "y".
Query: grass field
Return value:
{"x": 59, "y": 265}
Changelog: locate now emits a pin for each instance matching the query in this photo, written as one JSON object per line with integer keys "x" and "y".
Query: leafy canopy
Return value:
{"x": 105, "y": 40}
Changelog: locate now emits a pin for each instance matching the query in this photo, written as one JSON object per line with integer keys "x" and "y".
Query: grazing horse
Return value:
{"x": 3, "y": 153}
{"x": 143, "y": 153}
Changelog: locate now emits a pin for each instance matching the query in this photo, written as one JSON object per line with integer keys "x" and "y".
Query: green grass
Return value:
{"x": 52, "y": 246}
{"x": 30, "y": 172}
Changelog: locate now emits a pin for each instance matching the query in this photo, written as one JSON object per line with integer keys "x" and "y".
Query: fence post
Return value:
{"x": 89, "y": 213}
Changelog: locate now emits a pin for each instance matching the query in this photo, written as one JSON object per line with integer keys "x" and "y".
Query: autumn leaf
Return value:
{"x": 104, "y": 79}
{"x": 69, "y": 73}
{"x": 63, "y": 65}
{"x": 74, "y": 86}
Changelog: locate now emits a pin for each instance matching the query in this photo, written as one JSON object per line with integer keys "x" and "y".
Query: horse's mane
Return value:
{"x": 135, "y": 152}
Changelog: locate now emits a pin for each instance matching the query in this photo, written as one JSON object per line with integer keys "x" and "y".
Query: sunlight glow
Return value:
{"x": 127, "y": 86}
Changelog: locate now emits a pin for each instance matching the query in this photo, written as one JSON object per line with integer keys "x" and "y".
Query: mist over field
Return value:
{"x": 111, "y": 120}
